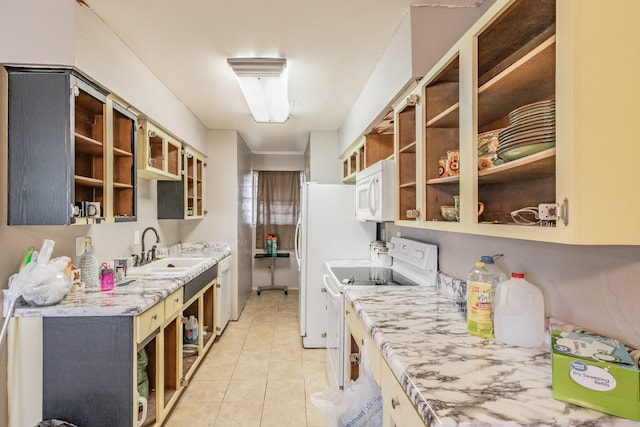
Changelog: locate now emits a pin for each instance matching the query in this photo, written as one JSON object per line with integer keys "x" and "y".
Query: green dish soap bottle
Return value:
{"x": 480, "y": 284}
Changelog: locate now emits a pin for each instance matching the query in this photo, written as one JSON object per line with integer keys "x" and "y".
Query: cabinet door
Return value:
{"x": 516, "y": 113}
{"x": 160, "y": 154}
{"x": 398, "y": 410}
{"x": 441, "y": 119}
{"x": 124, "y": 165}
{"x": 407, "y": 170}
{"x": 194, "y": 184}
{"x": 90, "y": 156}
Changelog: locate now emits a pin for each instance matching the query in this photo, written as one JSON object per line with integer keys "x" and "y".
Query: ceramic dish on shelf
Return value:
{"x": 540, "y": 106}
{"x": 528, "y": 141}
{"x": 525, "y": 136}
{"x": 525, "y": 150}
{"x": 546, "y": 116}
{"x": 516, "y": 131}
{"x": 489, "y": 160}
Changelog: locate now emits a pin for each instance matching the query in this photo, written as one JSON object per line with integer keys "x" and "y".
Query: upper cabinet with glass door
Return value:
{"x": 547, "y": 100}
{"x": 160, "y": 153}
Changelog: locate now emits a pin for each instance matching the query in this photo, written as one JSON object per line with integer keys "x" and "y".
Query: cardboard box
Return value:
{"x": 595, "y": 372}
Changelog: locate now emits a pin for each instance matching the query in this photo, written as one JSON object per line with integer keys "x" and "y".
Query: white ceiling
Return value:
{"x": 331, "y": 46}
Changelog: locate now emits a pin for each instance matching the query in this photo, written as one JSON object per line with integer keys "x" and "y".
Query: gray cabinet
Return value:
{"x": 69, "y": 145}
{"x": 184, "y": 199}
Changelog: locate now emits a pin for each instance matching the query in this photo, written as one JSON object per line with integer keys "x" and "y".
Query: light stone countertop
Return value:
{"x": 136, "y": 297}
{"x": 454, "y": 379}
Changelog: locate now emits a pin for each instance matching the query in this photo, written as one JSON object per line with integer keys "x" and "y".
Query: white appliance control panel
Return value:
{"x": 416, "y": 259}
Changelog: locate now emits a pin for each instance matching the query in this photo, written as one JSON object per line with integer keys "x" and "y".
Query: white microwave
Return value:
{"x": 374, "y": 192}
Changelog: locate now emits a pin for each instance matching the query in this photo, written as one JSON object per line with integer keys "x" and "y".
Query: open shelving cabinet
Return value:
{"x": 70, "y": 144}
{"x": 572, "y": 55}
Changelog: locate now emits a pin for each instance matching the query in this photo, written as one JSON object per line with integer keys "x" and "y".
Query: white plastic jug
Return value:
{"x": 519, "y": 313}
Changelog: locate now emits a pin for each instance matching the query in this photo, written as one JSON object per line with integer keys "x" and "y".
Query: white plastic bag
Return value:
{"x": 359, "y": 405}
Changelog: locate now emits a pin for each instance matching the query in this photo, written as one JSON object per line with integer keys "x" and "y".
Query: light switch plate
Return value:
{"x": 79, "y": 245}
{"x": 136, "y": 237}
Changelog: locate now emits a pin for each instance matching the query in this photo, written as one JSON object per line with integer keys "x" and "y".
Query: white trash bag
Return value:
{"x": 359, "y": 405}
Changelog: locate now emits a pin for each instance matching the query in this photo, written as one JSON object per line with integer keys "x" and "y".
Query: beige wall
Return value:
{"x": 65, "y": 33}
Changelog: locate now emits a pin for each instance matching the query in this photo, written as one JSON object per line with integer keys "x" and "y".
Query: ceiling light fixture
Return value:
{"x": 264, "y": 84}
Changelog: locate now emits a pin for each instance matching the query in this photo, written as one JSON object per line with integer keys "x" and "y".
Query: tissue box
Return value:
{"x": 595, "y": 372}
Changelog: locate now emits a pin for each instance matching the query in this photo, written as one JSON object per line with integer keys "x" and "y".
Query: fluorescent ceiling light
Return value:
{"x": 264, "y": 84}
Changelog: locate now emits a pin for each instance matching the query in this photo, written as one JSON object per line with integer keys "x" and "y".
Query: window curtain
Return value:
{"x": 277, "y": 207}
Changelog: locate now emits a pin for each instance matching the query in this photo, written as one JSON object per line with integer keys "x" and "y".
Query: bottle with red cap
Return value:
{"x": 519, "y": 313}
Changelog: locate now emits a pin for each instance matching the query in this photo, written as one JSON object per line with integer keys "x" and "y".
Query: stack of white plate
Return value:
{"x": 532, "y": 128}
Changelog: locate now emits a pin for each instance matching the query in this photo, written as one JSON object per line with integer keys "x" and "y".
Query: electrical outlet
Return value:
{"x": 548, "y": 211}
{"x": 136, "y": 237}
{"x": 79, "y": 245}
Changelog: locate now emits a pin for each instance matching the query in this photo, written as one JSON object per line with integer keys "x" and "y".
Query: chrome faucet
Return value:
{"x": 145, "y": 258}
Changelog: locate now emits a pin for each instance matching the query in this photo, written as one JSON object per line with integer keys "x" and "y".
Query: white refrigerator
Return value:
{"x": 327, "y": 230}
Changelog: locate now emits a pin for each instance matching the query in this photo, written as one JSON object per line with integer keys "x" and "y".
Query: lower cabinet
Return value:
{"x": 171, "y": 360}
{"x": 397, "y": 409}
{"x": 89, "y": 365}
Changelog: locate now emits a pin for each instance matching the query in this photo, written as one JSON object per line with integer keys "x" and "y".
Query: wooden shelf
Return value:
{"x": 121, "y": 185}
{"x": 449, "y": 118}
{"x": 444, "y": 180}
{"x": 408, "y": 148}
{"x": 88, "y": 182}
{"x": 407, "y": 184}
{"x": 121, "y": 153}
{"x": 87, "y": 145}
{"x": 513, "y": 32}
{"x": 525, "y": 81}
{"x": 542, "y": 164}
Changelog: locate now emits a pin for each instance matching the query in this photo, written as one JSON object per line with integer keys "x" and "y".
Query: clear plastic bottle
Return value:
{"x": 480, "y": 284}
{"x": 499, "y": 277}
{"x": 89, "y": 267}
{"x": 519, "y": 313}
{"x": 492, "y": 267}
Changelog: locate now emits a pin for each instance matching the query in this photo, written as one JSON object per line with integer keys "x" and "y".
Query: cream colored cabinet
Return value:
{"x": 353, "y": 161}
{"x": 160, "y": 153}
{"x": 397, "y": 408}
{"x": 555, "y": 82}
{"x": 184, "y": 199}
{"x": 375, "y": 145}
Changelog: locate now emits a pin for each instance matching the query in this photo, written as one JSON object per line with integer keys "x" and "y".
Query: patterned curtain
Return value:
{"x": 277, "y": 207}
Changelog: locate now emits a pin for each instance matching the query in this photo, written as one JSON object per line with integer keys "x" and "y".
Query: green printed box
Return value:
{"x": 595, "y": 372}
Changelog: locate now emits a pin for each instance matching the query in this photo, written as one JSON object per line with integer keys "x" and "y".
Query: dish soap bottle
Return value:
{"x": 191, "y": 330}
{"x": 89, "y": 266}
{"x": 480, "y": 284}
{"x": 519, "y": 318}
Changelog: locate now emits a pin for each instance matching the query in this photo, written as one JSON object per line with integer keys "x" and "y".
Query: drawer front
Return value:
{"x": 397, "y": 409}
{"x": 172, "y": 304}
{"x": 149, "y": 321}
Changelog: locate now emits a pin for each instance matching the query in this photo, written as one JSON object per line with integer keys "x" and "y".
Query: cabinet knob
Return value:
{"x": 347, "y": 312}
{"x": 177, "y": 300}
{"x": 154, "y": 317}
{"x": 394, "y": 402}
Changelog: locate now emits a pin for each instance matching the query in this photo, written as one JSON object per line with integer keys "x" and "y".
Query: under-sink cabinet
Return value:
{"x": 71, "y": 150}
{"x": 517, "y": 118}
{"x": 397, "y": 409}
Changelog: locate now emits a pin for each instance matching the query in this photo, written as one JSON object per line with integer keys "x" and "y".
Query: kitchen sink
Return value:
{"x": 167, "y": 267}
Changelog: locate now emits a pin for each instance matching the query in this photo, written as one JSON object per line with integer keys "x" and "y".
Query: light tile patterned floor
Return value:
{"x": 257, "y": 373}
